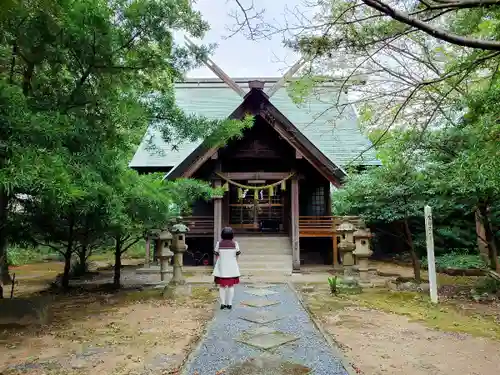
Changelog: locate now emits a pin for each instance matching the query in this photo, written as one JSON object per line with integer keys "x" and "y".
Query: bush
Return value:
{"x": 457, "y": 260}
{"x": 488, "y": 285}
{"x": 18, "y": 256}
{"x": 137, "y": 251}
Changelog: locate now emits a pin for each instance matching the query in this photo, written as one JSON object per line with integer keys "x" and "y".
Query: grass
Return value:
{"x": 135, "y": 252}
{"x": 417, "y": 307}
{"x": 18, "y": 256}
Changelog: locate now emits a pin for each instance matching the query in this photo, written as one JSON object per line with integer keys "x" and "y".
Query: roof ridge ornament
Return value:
{"x": 217, "y": 70}
{"x": 288, "y": 74}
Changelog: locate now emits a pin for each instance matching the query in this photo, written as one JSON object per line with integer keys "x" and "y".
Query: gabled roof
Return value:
{"x": 336, "y": 135}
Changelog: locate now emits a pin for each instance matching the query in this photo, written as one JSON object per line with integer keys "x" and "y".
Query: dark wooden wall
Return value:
{"x": 261, "y": 149}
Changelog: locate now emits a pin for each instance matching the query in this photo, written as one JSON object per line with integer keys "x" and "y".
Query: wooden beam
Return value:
{"x": 295, "y": 224}
{"x": 293, "y": 142}
{"x": 289, "y": 74}
{"x": 199, "y": 162}
{"x": 256, "y": 175}
{"x": 217, "y": 71}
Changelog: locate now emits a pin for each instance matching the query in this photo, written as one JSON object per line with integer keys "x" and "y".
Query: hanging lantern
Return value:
{"x": 225, "y": 187}
{"x": 283, "y": 185}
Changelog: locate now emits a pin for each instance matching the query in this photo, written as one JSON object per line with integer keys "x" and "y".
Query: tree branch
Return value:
{"x": 130, "y": 245}
{"x": 433, "y": 31}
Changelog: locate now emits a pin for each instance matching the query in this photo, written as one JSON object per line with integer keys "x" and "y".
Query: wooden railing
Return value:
{"x": 200, "y": 224}
{"x": 323, "y": 226}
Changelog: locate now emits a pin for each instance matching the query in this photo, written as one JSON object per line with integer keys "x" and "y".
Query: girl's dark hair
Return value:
{"x": 227, "y": 233}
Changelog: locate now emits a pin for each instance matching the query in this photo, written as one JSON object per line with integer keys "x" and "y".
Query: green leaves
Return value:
{"x": 80, "y": 81}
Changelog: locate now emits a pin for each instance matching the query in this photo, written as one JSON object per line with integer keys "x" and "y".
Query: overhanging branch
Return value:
{"x": 434, "y": 31}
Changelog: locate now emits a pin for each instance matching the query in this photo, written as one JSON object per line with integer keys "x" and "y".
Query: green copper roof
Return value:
{"x": 335, "y": 134}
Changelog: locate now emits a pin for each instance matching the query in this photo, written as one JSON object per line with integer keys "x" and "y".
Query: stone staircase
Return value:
{"x": 265, "y": 255}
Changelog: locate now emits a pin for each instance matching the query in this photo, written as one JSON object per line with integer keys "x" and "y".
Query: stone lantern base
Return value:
{"x": 174, "y": 291}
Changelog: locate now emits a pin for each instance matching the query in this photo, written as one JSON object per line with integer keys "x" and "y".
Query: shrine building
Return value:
{"x": 278, "y": 177}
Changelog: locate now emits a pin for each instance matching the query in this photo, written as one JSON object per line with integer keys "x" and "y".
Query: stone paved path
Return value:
{"x": 261, "y": 336}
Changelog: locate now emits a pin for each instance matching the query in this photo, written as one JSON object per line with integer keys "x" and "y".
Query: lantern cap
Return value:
{"x": 179, "y": 228}
{"x": 346, "y": 227}
{"x": 165, "y": 235}
{"x": 362, "y": 233}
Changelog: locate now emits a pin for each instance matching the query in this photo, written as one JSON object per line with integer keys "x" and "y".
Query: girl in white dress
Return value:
{"x": 226, "y": 271}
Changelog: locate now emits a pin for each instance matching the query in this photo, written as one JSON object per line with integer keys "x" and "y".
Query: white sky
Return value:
{"x": 239, "y": 56}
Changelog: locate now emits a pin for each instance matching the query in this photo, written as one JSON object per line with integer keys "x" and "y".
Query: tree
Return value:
{"x": 80, "y": 78}
{"x": 394, "y": 193}
{"x": 142, "y": 204}
{"x": 391, "y": 55}
{"x": 454, "y": 169}
{"x": 466, "y": 163}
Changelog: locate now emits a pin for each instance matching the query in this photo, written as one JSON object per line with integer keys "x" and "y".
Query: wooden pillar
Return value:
{"x": 295, "y": 224}
{"x": 335, "y": 251}
{"x": 328, "y": 197}
{"x": 217, "y": 215}
{"x": 147, "y": 257}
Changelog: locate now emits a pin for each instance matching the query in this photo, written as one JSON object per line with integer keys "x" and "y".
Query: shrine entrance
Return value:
{"x": 261, "y": 210}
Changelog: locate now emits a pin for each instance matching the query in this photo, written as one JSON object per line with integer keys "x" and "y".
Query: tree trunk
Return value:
{"x": 414, "y": 258}
{"x": 82, "y": 259}
{"x": 67, "y": 255}
{"x": 4, "y": 266}
{"x": 490, "y": 238}
{"x": 4, "y": 271}
{"x": 67, "y": 269}
{"x": 482, "y": 243}
{"x": 118, "y": 263}
{"x": 493, "y": 249}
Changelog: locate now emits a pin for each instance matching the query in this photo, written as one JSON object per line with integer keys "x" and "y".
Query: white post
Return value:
{"x": 431, "y": 261}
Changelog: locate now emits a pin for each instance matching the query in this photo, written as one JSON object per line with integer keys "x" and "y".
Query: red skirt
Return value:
{"x": 226, "y": 281}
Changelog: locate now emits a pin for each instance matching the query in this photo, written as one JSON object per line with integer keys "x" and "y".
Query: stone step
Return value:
{"x": 265, "y": 272}
{"x": 266, "y": 251}
{"x": 265, "y": 266}
{"x": 258, "y": 240}
{"x": 253, "y": 257}
{"x": 264, "y": 247}
{"x": 263, "y": 239}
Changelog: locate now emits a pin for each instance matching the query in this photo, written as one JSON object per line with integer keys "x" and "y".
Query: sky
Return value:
{"x": 239, "y": 56}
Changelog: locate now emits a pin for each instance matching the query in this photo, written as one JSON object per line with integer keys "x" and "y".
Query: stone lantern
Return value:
{"x": 179, "y": 247}
{"x": 346, "y": 246}
{"x": 164, "y": 253}
{"x": 363, "y": 251}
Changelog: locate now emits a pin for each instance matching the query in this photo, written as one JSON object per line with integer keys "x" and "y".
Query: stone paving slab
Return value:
{"x": 268, "y": 340}
{"x": 220, "y": 351}
{"x": 260, "y": 286}
{"x": 258, "y": 331}
{"x": 261, "y": 292}
{"x": 260, "y": 303}
{"x": 263, "y": 317}
{"x": 267, "y": 365}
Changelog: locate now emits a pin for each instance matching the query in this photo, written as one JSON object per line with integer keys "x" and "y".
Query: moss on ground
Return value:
{"x": 445, "y": 316}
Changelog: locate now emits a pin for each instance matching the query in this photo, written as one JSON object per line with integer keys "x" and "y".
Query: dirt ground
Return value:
{"x": 382, "y": 333}
{"x": 129, "y": 332}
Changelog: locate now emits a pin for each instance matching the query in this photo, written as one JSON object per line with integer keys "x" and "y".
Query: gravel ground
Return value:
{"x": 219, "y": 349}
